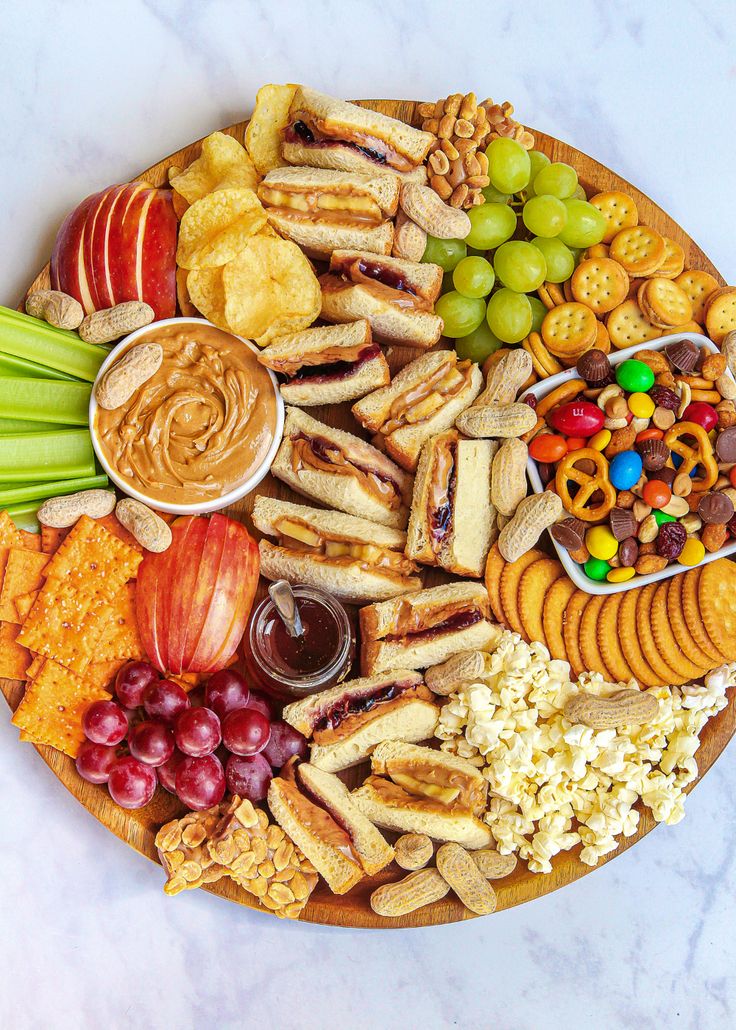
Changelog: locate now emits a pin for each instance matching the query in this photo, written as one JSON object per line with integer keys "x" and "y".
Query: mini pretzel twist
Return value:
{"x": 589, "y": 485}
{"x": 692, "y": 457}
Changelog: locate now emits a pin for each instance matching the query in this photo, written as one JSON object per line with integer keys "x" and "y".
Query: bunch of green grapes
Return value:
{"x": 534, "y": 223}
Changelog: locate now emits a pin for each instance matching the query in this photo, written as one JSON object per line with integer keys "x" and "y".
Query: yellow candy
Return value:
{"x": 601, "y": 542}
{"x": 620, "y": 575}
{"x": 601, "y": 440}
{"x": 641, "y": 405}
{"x": 692, "y": 553}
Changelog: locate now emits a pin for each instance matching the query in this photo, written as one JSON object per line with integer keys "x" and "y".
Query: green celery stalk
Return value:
{"x": 46, "y": 457}
{"x": 34, "y": 340}
{"x": 45, "y": 401}
{"x": 19, "y": 427}
{"x": 24, "y": 516}
{"x": 19, "y": 493}
{"x": 20, "y": 368}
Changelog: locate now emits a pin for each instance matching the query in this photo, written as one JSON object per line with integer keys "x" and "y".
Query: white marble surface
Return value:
{"x": 91, "y": 93}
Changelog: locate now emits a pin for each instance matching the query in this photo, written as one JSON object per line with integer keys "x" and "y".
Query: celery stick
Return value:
{"x": 45, "y": 401}
{"x": 19, "y": 427}
{"x": 41, "y": 457}
{"x": 19, "y": 493}
{"x": 20, "y": 368}
{"x": 24, "y": 516}
{"x": 30, "y": 338}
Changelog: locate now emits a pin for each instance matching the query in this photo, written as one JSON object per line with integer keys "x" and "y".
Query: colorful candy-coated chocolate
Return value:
{"x": 660, "y": 517}
{"x": 601, "y": 542}
{"x": 625, "y": 468}
{"x": 621, "y": 574}
{"x": 692, "y": 553}
{"x": 641, "y": 405}
{"x": 634, "y": 376}
{"x": 596, "y": 568}
{"x": 576, "y": 443}
{"x": 649, "y": 434}
{"x": 601, "y": 440}
{"x": 656, "y": 494}
{"x": 548, "y": 447}
{"x": 702, "y": 414}
{"x": 577, "y": 418}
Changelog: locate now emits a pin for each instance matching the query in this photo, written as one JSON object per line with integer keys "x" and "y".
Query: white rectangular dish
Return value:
{"x": 575, "y": 571}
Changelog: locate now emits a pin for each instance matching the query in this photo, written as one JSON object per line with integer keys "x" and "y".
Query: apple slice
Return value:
{"x": 118, "y": 248}
{"x": 157, "y": 269}
{"x": 96, "y": 250}
{"x": 67, "y": 258}
{"x": 89, "y": 231}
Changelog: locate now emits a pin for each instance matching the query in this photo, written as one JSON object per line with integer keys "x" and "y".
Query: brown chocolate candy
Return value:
{"x": 628, "y": 552}
{"x": 726, "y": 445}
{"x": 594, "y": 367}
{"x": 570, "y": 533}
{"x": 546, "y": 471}
{"x": 623, "y": 523}
{"x": 683, "y": 354}
{"x": 715, "y": 508}
{"x": 665, "y": 475}
{"x": 654, "y": 454}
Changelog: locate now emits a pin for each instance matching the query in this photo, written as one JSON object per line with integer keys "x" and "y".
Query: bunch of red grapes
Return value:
{"x": 195, "y": 745}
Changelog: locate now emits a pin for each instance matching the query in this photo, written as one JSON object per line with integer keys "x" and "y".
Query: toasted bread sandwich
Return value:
{"x": 328, "y": 133}
{"x": 395, "y": 295}
{"x": 346, "y": 722}
{"x": 425, "y": 628}
{"x": 324, "y": 210}
{"x": 315, "y": 809}
{"x": 328, "y": 364}
{"x": 452, "y": 520}
{"x": 424, "y": 399}
{"x": 419, "y": 790}
{"x": 351, "y": 558}
{"x": 342, "y": 471}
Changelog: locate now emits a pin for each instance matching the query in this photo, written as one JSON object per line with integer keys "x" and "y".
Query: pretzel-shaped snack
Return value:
{"x": 692, "y": 457}
{"x": 565, "y": 392}
{"x": 588, "y": 485}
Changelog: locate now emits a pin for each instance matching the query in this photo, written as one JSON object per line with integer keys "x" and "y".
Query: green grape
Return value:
{"x": 580, "y": 193}
{"x": 445, "y": 253}
{"x": 509, "y": 316}
{"x": 508, "y": 165}
{"x": 585, "y": 224}
{"x": 538, "y": 313}
{"x": 558, "y": 179}
{"x": 479, "y": 344}
{"x": 461, "y": 315}
{"x": 544, "y": 215}
{"x": 447, "y": 284}
{"x": 494, "y": 196}
{"x": 559, "y": 258}
{"x": 474, "y": 277}
{"x": 520, "y": 266}
{"x": 538, "y": 161}
{"x": 474, "y": 252}
{"x": 490, "y": 226}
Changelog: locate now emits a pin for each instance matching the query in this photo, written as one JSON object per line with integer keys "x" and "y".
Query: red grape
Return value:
{"x": 132, "y": 784}
{"x": 248, "y": 776}
{"x": 104, "y": 722}
{"x": 259, "y": 703}
{"x": 225, "y": 692}
{"x": 200, "y": 782}
{"x": 197, "y": 732}
{"x": 167, "y": 771}
{"x": 245, "y": 732}
{"x": 284, "y": 742}
{"x": 165, "y": 700}
{"x": 94, "y": 762}
{"x": 151, "y": 742}
{"x": 132, "y": 682}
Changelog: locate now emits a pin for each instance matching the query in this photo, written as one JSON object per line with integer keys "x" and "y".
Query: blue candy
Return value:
{"x": 625, "y": 469}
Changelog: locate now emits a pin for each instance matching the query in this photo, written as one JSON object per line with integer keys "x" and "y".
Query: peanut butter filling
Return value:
{"x": 423, "y": 400}
{"x": 325, "y": 455}
{"x": 290, "y": 364}
{"x": 295, "y": 535}
{"x": 317, "y": 820}
{"x": 343, "y": 205}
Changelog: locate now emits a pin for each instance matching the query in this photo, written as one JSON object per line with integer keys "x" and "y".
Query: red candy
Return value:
{"x": 702, "y": 414}
{"x": 548, "y": 447}
{"x": 577, "y": 418}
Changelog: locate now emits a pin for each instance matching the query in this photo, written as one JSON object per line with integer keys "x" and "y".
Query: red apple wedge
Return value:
{"x": 68, "y": 271}
{"x": 125, "y": 245}
{"x": 114, "y": 251}
{"x": 157, "y": 269}
{"x": 96, "y": 252}
{"x": 94, "y": 216}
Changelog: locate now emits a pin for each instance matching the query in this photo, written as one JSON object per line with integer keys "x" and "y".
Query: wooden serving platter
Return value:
{"x": 138, "y": 829}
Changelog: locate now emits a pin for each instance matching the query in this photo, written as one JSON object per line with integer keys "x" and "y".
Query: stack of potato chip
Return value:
{"x": 239, "y": 273}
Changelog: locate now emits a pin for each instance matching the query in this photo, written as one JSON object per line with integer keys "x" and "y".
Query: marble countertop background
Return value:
{"x": 93, "y": 92}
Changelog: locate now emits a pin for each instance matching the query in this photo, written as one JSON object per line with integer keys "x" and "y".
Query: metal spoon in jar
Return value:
{"x": 284, "y": 601}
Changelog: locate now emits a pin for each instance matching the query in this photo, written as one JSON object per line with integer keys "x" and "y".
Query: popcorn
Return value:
{"x": 553, "y": 784}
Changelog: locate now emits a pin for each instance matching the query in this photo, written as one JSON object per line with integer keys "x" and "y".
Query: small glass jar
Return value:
{"x": 291, "y": 667}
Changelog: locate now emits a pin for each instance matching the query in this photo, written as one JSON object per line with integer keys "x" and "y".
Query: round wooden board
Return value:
{"x": 138, "y": 829}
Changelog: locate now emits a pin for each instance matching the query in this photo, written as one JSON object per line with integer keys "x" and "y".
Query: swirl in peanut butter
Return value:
{"x": 200, "y": 425}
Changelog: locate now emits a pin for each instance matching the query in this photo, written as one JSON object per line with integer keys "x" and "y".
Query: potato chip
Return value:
{"x": 14, "y": 658}
{"x": 186, "y": 308}
{"x": 270, "y": 289}
{"x": 207, "y": 293}
{"x": 223, "y": 164}
{"x": 24, "y": 572}
{"x": 53, "y": 706}
{"x": 216, "y": 228}
{"x": 270, "y": 118}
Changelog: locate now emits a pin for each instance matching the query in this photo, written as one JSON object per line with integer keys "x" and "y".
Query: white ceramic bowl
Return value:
{"x": 213, "y": 504}
{"x": 575, "y": 571}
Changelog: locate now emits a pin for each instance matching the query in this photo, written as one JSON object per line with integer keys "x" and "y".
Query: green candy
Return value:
{"x": 634, "y": 376}
{"x": 660, "y": 517}
{"x": 596, "y": 568}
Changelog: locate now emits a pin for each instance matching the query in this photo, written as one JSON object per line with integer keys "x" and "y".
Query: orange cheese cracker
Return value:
{"x": 120, "y": 638}
{"x": 53, "y": 706}
{"x": 24, "y": 572}
{"x": 91, "y": 554}
{"x": 51, "y": 538}
{"x": 14, "y": 658}
{"x": 24, "y": 603}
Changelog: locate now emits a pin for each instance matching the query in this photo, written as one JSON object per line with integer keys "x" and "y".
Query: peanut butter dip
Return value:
{"x": 202, "y": 424}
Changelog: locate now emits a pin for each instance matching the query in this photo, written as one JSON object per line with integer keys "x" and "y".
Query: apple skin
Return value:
{"x": 96, "y": 252}
{"x": 68, "y": 273}
{"x": 159, "y": 255}
{"x": 193, "y": 600}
